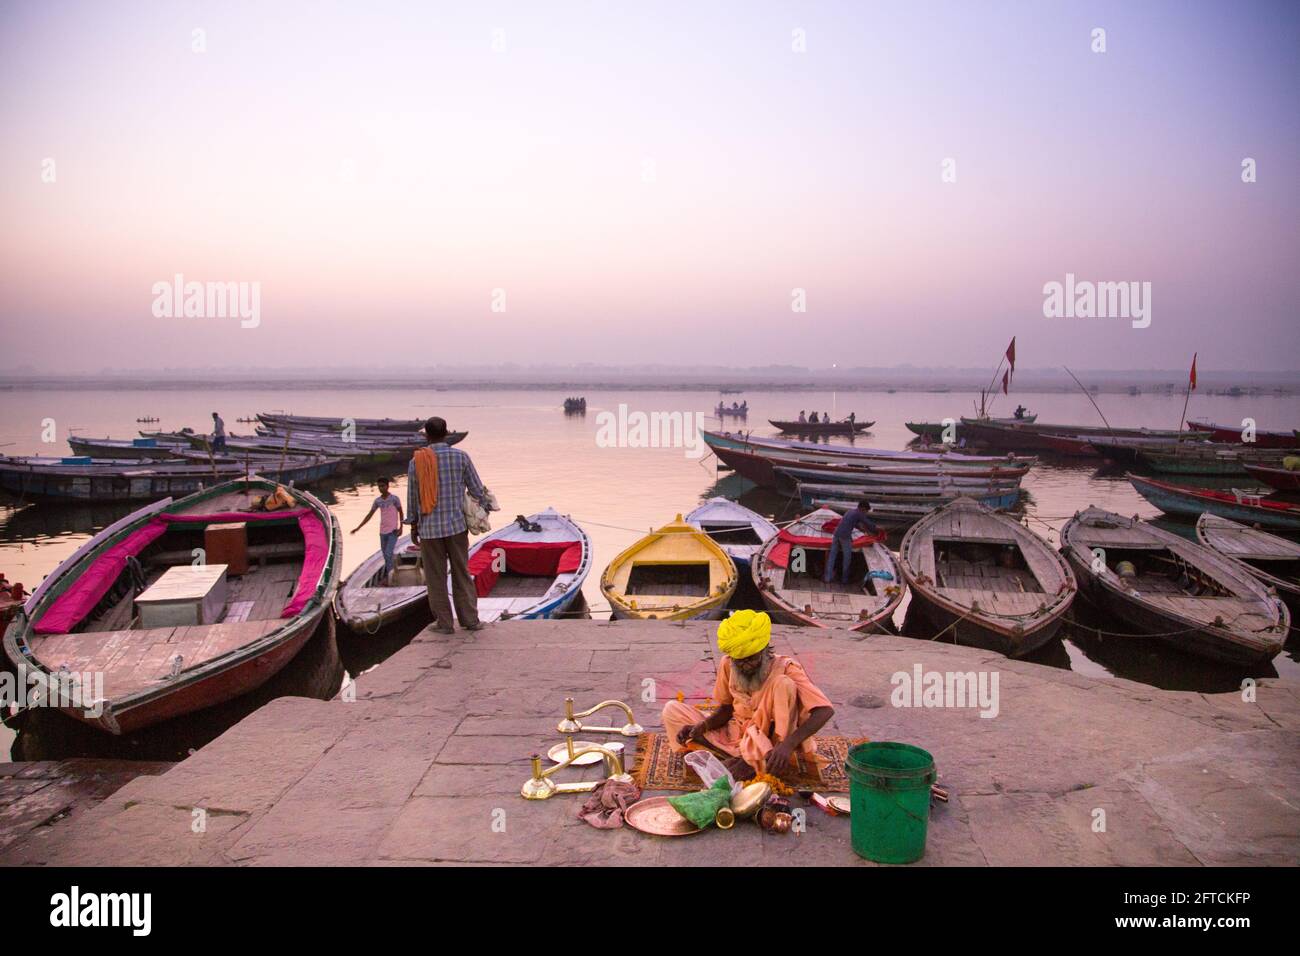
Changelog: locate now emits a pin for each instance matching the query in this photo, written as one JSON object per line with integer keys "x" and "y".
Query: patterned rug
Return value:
{"x": 658, "y": 767}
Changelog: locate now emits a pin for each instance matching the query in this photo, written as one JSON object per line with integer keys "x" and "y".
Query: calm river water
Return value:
{"x": 532, "y": 455}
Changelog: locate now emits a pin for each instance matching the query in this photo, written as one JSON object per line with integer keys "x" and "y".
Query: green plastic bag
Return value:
{"x": 703, "y": 805}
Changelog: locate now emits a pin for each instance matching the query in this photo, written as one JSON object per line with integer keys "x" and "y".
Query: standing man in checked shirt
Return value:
{"x": 437, "y": 479}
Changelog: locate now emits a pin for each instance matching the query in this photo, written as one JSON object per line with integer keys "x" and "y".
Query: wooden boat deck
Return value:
{"x": 677, "y": 561}
{"x": 833, "y": 602}
{"x": 968, "y": 559}
{"x": 134, "y": 659}
{"x": 1274, "y": 560}
{"x": 1183, "y": 582}
{"x": 137, "y": 660}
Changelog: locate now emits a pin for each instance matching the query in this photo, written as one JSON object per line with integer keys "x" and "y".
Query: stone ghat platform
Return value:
{"x": 425, "y": 764}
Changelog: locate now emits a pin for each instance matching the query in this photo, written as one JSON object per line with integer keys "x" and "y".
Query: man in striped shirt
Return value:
{"x": 438, "y": 525}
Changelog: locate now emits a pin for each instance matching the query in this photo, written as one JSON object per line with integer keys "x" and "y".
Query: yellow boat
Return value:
{"x": 677, "y": 573}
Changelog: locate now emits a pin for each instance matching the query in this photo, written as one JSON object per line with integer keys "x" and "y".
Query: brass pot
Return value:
{"x": 747, "y": 803}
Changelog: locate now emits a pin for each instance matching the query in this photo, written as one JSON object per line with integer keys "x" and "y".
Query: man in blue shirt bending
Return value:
{"x": 842, "y": 541}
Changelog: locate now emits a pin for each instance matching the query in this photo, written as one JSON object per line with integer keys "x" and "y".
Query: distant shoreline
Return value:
{"x": 1224, "y": 389}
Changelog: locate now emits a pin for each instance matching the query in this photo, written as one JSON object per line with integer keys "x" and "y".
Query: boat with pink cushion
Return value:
{"x": 179, "y": 606}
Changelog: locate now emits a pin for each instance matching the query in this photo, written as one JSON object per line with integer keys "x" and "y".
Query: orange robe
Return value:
{"x": 758, "y": 721}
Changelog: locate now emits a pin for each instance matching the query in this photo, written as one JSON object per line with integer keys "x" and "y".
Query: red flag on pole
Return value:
{"x": 1192, "y": 380}
{"x": 1006, "y": 377}
{"x": 1011, "y": 355}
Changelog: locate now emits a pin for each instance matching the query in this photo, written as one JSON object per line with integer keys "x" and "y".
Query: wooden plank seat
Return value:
{"x": 133, "y": 660}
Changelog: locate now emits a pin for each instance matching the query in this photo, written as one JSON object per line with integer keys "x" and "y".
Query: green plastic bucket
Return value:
{"x": 889, "y": 800}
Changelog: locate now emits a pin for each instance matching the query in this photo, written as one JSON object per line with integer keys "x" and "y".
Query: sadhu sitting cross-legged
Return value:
{"x": 768, "y": 709}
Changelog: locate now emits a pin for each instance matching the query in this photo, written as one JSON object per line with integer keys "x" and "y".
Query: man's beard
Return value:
{"x": 751, "y": 683}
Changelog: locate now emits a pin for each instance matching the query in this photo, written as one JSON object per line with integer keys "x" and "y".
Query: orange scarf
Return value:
{"x": 426, "y": 475}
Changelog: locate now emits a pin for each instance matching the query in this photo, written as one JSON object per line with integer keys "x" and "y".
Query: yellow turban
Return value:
{"x": 744, "y": 634}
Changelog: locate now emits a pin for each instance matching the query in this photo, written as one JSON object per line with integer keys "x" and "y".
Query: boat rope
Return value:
{"x": 1074, "y": 622}
{"x": 951, "y": 626}
{"x": 379, "y": 621}
{"x": 615, "y": 527}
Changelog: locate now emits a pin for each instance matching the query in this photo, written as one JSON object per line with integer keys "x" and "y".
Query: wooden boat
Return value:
{"x": 887, "y": 514}
{"x": 677, "y": 573}
{"x": 362, "y": 453}
{"x": 799, "y": 450}
{"x": 1177, "y": 591}
{"x": 537, "y": 574}
{"x": 740, "y": 411}
{"x": 812, "y": 495}
{"x": 403, "y": 426}
{"x": 1033, "y": 436}
{"x": 1205, "y": 459}
{"x": 741, "y": 532}
{"x": 1126, "y": 450}
{"x": 99, "y": 480}
{"x": 936, "y": 429}
{"x": 1281, "y": 479}
{"x": 985, "y": 579}
{"x": 1232, "y": 434}
{"x": 137, "y": 449}
{"x": 366, "y": 601}
{"x": 833, "y": 473}
{"x": 1236, "y": 504}
{"x": 793, "y": 589}
{"x": 1274, "y": 561}
{"x": 757, "y": 460}
{"x": 844, "y": 427}
{"x": 89, "y": 615}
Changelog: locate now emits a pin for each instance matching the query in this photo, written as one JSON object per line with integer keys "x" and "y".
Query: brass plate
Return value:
{"x": 560, "y": 752}
{"x": 655, "y": 815}
{"x": 840, "y": 803}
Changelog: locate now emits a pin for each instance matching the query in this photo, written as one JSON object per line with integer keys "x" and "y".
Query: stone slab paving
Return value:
{"x": 424, "y": 765}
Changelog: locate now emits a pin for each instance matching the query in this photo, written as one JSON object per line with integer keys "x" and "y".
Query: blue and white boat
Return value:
{"x": 740, "y": 531}
{"x": 519, "y": 573}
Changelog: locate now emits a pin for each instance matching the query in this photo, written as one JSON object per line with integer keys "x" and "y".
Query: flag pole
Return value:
{"x": 1188, "y": 398}
{"x": 992, "y": 382}
{"x": 1089, "y": 397}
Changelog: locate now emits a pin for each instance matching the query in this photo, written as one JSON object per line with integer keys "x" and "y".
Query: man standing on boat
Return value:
{"x": 218, "y": 433}
{"x": 842, "y": 540}
{"x": 436, "y": 482}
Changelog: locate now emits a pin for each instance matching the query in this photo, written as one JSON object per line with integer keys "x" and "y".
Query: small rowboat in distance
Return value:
{"x": 1178, "y": 591}
{"x": 985, "y": 579}
{"x": 844, "y": 427}
{"x": 1275, "y": 561}
{"x": 741, "y": 532}
{"x": 206, "y": 634}
{"x": 677, "y": 573}
{"x": 1237, "y": 505}
{"x": 788, "y": 572}
{"x": 1281, "y": 479}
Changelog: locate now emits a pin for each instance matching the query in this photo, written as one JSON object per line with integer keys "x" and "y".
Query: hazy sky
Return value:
{"x": 648, "y": 181}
